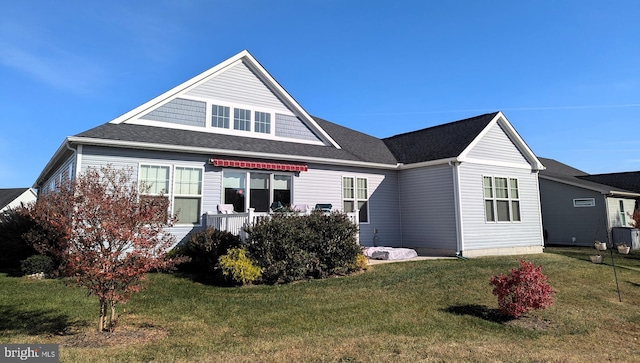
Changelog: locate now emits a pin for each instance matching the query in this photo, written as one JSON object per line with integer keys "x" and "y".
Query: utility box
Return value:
{"x": 626, "y": 235}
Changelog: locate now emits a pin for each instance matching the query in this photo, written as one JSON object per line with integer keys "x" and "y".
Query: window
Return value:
{"x": 623, "y": 218}
{"x": 282, "y": 190}
{"x": 234, "y": 187}
{"x": 265, "y": 189}
{"x": 584, "y": 202}
{"x": 187, "y": 195}
{"x": 241, "y": 119}
{"x": 355, "y": 194}
{"x": 220, "y": 116}
{"x": 262, "y": 122}
{"x": 501, "y": 199}
{"x": 154, "y": 187}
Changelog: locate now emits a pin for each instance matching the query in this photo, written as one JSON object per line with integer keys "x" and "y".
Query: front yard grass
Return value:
{"x": 432, "y": 310}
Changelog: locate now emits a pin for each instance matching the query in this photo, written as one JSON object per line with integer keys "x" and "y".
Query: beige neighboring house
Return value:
{"x": 13, "y": 197}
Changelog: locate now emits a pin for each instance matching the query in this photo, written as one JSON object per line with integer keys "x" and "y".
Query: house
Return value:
{"x": 14, "y": 197}
{"x": 578, "y": 208}
{"x": 233, "y": 138}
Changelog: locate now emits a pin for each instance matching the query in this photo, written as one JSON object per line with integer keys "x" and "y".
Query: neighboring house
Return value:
{"x": 233, "y": 138}
{"x": 15, "y": 197}
{"x": 577, "y": 210}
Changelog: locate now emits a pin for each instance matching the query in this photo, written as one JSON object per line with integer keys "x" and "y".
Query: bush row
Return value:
{"x": 279, "y": 249}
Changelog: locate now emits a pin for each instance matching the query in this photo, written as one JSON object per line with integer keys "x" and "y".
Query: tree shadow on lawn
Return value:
{"x": 36, "y": 322}
{"x": 479, "y": 311}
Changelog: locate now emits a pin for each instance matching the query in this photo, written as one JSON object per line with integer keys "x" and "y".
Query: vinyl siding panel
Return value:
{"x": 239, "y": 84}
{"x": 495, "y": 145}
{"x": 322, "y": 184}
{"x": 428, "y": 208}
{"x": 479, "y": 234}
{"x": 65, "y": 171}
{"x": 562, "y": 221}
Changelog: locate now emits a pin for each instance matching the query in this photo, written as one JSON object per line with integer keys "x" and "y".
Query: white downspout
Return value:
{"x": 457, "y": 198}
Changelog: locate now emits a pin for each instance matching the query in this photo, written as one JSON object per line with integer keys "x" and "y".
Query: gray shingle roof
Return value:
{"x": 356, "y": 146}
{"x": 565, "y": 173}
{"x": 627, "y": 180}
{"x": 9, "y": 195}
{"x": 438, "y": 142}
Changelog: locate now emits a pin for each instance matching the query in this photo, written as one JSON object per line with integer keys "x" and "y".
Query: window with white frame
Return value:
{"x": 154, "y": 183}
{"x": 220, "y": 116}
{"x": 355, "y": 194}
{"x": 623, "y": 217}
{"x": 187, "y": 195}
{"x": 241, "y": 119}
{"x": 265, "y": 190}
{"x": 262, "y": 122}
{"x": 501, "y": 199}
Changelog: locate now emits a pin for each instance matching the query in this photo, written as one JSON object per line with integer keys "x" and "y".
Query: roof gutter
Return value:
{"x": 239, "y": 153}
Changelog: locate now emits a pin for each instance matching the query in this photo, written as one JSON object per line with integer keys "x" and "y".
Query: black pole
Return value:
{"x": 615, "y": 274}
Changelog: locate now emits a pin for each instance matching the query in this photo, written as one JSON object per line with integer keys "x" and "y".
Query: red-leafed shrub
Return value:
{"x": 522, "y": 290}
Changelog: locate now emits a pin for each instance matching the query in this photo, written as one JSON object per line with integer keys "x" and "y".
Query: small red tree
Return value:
{"x": 106, "y": 236}
{"x": 524, "y": 289}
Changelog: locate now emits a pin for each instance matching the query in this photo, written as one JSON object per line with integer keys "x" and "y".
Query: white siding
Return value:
{"x": 495, "y": 145}
{"x": 428, "y": 208}
{"x": 239, "y": 84}
{"x": 618, "y": 217}
{"x": 65, "y": 171}
{"x": 323, "y": 184}
{"x": 479, "y": 234}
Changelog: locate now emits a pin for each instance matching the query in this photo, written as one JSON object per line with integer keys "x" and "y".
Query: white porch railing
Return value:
{"x": 235, "y": 222}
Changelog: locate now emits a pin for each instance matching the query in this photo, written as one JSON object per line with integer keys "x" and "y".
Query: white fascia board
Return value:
{"x": 496, "y": 163}
{"x": 57, "y": 155}
{"x": 210, "y": 73}
{"x": 239, "y": 153}
{"x": 513, "y": 135}
{"x": 428, "y": 163}
{"x": 582, "y": 186}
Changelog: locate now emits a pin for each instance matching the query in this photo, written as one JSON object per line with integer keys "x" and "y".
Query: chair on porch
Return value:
{"x": 225, "y": 209}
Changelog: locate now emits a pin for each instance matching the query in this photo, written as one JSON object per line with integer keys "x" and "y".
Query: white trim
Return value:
{"x": 457, "y": 196}
{"x": 78, "y": 160}
{"x": 200, "y": 196}
{"x": 505, "y": 164}
{"x": 355, "y": 199}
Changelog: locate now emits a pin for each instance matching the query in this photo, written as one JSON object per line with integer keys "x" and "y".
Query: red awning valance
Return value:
{"x": 244, "y": 164}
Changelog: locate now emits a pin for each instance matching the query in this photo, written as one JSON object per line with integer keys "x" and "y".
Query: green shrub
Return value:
{"x": 205, "y": 248}
{"x": 290, "y": 248}
{"x": 237, "y": 267}
{"x": 35, "y": 264}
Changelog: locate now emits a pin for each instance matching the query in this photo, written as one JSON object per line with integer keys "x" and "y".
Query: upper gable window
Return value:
{"x": 262, "y": 122}
{"x": 241, "y": 119}
{"x": 220, "y": 116}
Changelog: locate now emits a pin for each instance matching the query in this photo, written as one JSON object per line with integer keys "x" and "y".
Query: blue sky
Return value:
{"x": 565, "y": 73}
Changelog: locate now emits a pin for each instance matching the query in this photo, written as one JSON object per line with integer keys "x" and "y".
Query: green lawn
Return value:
{"x": 434, "y": 310}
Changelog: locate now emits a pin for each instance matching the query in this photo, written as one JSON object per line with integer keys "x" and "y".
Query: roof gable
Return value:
{"x": 11, "y": 194}
{"x": 238, "y": 83}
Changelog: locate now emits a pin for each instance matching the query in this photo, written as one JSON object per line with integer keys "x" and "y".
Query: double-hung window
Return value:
{"x": 241, "y": 119}
{"x": 355, "y": 193}
{"x": 154, "y": 185}
{"x": 501, "y": 199}
{"x": 187, "y": 195}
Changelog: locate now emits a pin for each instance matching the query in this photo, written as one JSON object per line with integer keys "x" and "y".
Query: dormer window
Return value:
{"x": 241, "y": 119}
{"x": 220, "y": 116}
